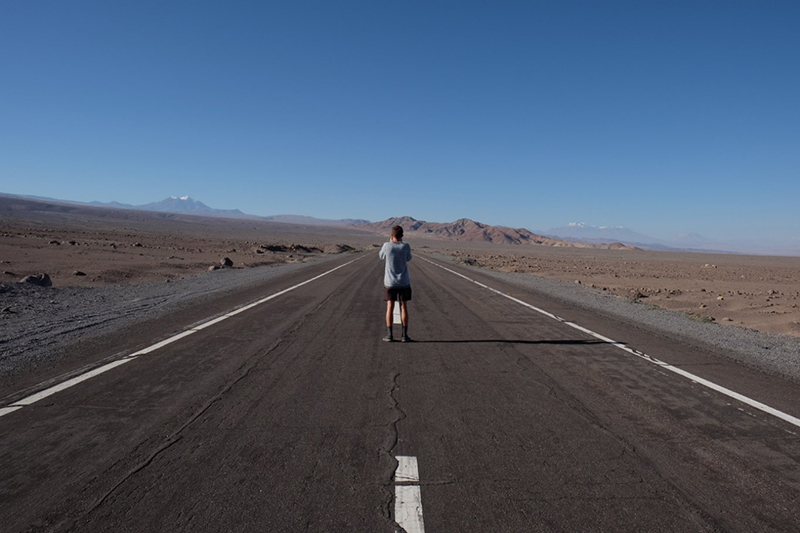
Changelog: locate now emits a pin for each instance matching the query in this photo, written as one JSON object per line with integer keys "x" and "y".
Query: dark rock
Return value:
{"x": 337, "y": 249}
{"x": 137, "y": 245}
{"x": 635, "y": 295}
{"x": 226, "y": 262}
{"x": 79, "y": 273}
{"x": 54, "y": 242}
{"x": 213, "y": 268}
{"x": 41, "y": 279}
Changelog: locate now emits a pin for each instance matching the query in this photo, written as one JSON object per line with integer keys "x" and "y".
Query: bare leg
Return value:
{"x": 389, "y": 313}
{"x": 404, "y": 313}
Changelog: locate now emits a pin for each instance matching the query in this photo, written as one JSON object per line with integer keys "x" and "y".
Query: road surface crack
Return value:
{"x": 176, "y": 436}
{"x": 388, "y": 449}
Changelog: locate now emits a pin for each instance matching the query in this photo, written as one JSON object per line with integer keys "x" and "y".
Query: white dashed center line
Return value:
{"x": 407, "y": 497}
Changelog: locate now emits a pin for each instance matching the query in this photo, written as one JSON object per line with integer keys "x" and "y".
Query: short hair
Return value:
{"x": 397, "y": 232}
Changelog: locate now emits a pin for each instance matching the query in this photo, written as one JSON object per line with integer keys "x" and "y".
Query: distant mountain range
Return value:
{"x": 576, "y": 234}
{"x": 185, "y": 205}
{"x": 311, "y": 221}
{"x": 583, "y": 232}
{"x": 687, "y": 242}
{"x": 465, "y": 229}
{"x": 180, "y": 205}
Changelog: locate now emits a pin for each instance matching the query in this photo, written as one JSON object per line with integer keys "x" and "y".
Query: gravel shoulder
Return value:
{"x": 777, "y": 355}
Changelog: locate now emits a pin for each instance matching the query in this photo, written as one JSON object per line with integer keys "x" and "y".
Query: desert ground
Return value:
{"x": 85, "y": 246}
{"x": 755, "y": 292}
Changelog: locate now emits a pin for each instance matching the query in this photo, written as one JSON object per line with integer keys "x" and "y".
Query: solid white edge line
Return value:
{"x": 622, "y": 346}
{"x": 8, "y": 410}
{"x": 408, "y": 508}
{"x": 204, "y": 325}
{"x": 70, "y": 382}
{"x": 165, "y": 342}
{"x": 407, "y": 469}
{"x": 105, "y": 368}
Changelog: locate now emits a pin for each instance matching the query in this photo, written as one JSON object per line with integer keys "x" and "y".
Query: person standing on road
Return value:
{"x": 397, "y": 254}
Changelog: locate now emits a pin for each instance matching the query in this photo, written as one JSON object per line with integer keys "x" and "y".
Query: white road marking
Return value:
{"x": 33, "y": 398}
{"x": 70, "y": 382}
{"x": 622, "y": 346}
{"x": 163, "y": 343}
{"x": 408, "y": 508}
{"x": 7, "y": 410}
{"x": 396, "y": 314}
{"x": 407, "y": 470}
{"x": 407, "y": 496}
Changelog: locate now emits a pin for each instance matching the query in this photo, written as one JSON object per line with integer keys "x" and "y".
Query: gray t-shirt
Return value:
{"x": 397, "y": 256}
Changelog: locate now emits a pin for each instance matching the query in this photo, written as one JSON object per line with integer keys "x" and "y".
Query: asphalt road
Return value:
{"x": 289, "y": 416}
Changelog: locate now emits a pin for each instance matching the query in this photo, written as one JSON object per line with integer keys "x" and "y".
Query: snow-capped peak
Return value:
{"x": 576, "y": 225}
{"x": 181, "y": 198}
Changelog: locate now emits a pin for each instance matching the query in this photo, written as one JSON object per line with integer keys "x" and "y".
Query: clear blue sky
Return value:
{"x": 661, "y": 116}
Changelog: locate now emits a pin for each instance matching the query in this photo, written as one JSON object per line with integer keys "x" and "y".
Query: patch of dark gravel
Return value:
{"x": 777, "y": 355}
{"x": 36, "y": 322}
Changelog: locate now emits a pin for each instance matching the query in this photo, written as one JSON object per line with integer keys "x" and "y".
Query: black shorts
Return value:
{"x": 397, "y": 293}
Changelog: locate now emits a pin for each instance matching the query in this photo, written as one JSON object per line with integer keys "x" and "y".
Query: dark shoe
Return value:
{"x": 405, "y": 338}
{"x": 388, "y": 338}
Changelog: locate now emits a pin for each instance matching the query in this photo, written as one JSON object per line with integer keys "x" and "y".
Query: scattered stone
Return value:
{"x": 55, "y": 242}
{"x": 337, "y": 249}
{"x": 8, "y": 273}
{"x": 6, "y": 310}
{"x": 72, "y": 243}
{"x": 212, "y": 268}
{"x": 726, "y": 319}
{"x": 137, "y": 245}
{"x": 703, "y": 306}
{"x": 578, "y": 282}
{"x": 41, "y": 279}
{"x": 78, "y": 273}
{"x": 720, "y": 298}
{"x": 226, "y": 262}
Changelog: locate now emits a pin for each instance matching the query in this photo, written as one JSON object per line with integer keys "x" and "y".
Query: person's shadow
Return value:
{"x": 507, "y": 341}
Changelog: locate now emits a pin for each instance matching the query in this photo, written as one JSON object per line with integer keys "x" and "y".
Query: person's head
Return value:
{"x": 397, "y": 233}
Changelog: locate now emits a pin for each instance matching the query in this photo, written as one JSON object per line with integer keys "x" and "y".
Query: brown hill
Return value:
{"x": 465, "y": 229}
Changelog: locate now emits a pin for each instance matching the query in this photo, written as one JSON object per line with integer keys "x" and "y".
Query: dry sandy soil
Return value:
{"x": 755, "y": 292}
{"x": 114, "y": 247}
